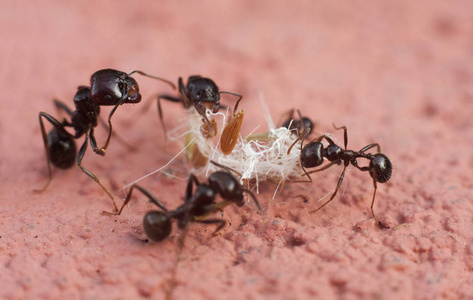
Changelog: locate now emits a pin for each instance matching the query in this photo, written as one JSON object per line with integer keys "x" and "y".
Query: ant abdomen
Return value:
{"x": 108, "y": 87}
{"x": 203, "y": 89}
{"x": 157, "y": 225}
{"x": 62, "y": 148}
{"x": 380, "y": 168}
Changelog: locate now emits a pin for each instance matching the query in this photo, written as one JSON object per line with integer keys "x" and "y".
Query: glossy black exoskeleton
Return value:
{"x": 197, "y": 205}
{"x": 108, "y": 87}
{"x": 198, "y": 92}
{"x": 313, "y": 154}
{"x": 297, "y": 124}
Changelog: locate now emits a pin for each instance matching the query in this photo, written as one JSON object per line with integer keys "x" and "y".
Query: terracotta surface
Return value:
{"x": 400, "y": 74}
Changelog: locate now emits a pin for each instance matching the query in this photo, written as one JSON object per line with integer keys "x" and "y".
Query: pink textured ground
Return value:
{"x": 400, "y": 74}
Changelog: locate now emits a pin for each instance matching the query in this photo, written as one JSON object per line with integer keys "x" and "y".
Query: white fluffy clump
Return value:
{"x": 256, "y": 160}
{"x": 266, "y": 159}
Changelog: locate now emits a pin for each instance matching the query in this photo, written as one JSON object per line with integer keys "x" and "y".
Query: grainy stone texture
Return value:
{"x": 398, "y": 73}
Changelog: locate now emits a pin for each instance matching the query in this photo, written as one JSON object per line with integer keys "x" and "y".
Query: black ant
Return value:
{"x": 107, "y": 87}
{"x": 297, "y": 125}
{"x": 197, "y": 206}
{"x": 313, "y": 154}
{"x": 198, "y": 91}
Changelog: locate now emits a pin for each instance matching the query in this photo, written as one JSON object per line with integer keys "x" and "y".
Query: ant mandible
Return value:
{"x": 313, "y": 154}
{"x": 198, "y": 91}
{"x": 197, "y": 206}
{"x": 108, "y": 87}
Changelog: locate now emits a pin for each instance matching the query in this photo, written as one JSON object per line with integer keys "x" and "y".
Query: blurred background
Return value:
{"x": 399, "y": 74}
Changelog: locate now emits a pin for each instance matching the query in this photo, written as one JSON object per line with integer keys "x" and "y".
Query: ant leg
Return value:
{"x": 305, "y": 173}
{"x": 321, "y": 169}
{"x": 102, "y": 150}
{"x": 252, "y": 196}
{"x": 313, "y": 171}
{"x": 160, "y": 110}
{"x": 372, "y": 203}
{"x": 213, "y": 221}
{"x": 336, "y": 190}
{"x": 375, "y": 186}
{"x": 182, "y": 91}
{"x": 62, "y": 106}
{"x": 188, "y": 194}
{"x": 345, "y": 134}
{"x": 301, "y": 121}
{"x": 365, "y": 148}
{"x": 118, "y": 137}
{"x": 302, "y": 137}
{"x": 59, "y": 127}
{"x": 80, "y": 156}
{"x": 128, "y": 198}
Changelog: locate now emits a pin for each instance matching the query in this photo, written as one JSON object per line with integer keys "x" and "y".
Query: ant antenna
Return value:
{"x": 234, "y": 94}
{"x": 154, "y": 77}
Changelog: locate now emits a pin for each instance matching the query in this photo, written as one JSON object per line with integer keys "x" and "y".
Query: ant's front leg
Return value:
{"x": 102, "y": 150}
{"x": 252, "y": 196}
{"x": 62, "y": 106}
{"x": 213, "y": 221}
{"x": 340, "y": 180}
{"x": 314, "y": 171}
{"x": 128, "y": 198}
{"x": 160, "y": 110}
{"x": 80, "y": 156}
{"x": 188, "y": 194}
{"x": 118, "y": 137}
{"x": 302, "y": 137}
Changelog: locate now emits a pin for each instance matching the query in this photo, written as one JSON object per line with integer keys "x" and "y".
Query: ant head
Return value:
{"x": 112, "y": 87}
{"x": 157, "y": 225}
{"x": 299, "y": 125}
{"x": 306, "y": 123}
{"x": 227, "y": 186}
{"x": 312, "y": 155}
{"x": 380, "y": 168}
{"x": 202, "y": 89}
